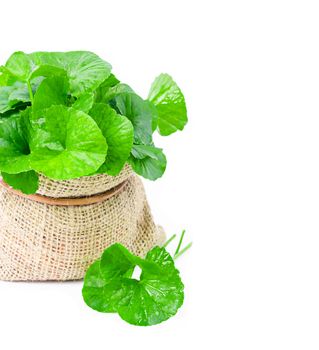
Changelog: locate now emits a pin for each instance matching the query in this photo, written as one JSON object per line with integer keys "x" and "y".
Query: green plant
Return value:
{"x": 64, "y": 115}
{"x": 158, "y": 294}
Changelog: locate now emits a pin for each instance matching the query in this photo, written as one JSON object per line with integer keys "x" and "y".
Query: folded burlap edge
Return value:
{"x": 83, "y": 186}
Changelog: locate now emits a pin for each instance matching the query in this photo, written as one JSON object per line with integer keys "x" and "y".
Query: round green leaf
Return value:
{"x": 66, "y": 143}
{"x": 84, "y": 102}
{"x": 170, "y": 104}
{"x": 14, "y": 148}
{"x": 85, "y": 70}
{"x": 97, "y": 292}
{"x": 10, "y": 96}
{"x": 148, "y": 161}
{"x": 138, "y": 112}
{"x": 116, "y": 261}
{"x": 108, "y": 286}
{"x": 118, "y": 132}
{"x": 106, "y": 275}
{"x": 26, "y": 182}
{"x": 52, "y": 91}
{"x": 103, "y": 88}
{"x": 3, "y": 77}
{"x": 111, "y": 92}
{"x": 5, "y": 101}
{"x": 20, "y": 65}
{"x": 157, "y": 296}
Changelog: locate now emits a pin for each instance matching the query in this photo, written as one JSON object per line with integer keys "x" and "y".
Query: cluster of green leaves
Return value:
{"x": 154, "y": 298}
{"x": 65, "y": 115}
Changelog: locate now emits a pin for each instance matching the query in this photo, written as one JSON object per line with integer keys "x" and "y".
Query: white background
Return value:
{"x": 243, "y": 178}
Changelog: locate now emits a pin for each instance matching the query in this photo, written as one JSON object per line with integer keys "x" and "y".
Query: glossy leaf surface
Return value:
{"x": 118, "y": 132}
{"x": 26, "y": 182}
{"x": 14, "y": 145}
{"x": 85, "y": 70}
{"x": 108, "y": 286}
{"x": 66, "y": 143}
{"x": 148, "y": 161}
{"x": 170, "y": 104}
{"x": 138, "y": 112}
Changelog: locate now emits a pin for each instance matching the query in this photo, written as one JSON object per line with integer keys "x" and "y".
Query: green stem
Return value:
{"x": 180, "y": 243}
{"x": 168, "y": 241}
{"x": 30, "y": 91}
{"x": 182, "y": 251}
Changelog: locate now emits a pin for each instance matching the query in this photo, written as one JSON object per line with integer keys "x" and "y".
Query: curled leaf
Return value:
{"x": 118, "y": 132}
{"x": 138, "y": 112}
{"x": 148, "y": 161}
{"x": 170, "y": 104}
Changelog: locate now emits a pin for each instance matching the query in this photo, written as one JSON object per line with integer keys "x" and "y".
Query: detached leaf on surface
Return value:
{"x": 148, "y": 161}
{"x": 154, "y": 298}
{"x": 27, "y": 182}
{"x": 170, "y": 105}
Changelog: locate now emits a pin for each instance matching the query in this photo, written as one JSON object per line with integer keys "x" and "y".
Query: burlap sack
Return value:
{"x": 41, "y": 241}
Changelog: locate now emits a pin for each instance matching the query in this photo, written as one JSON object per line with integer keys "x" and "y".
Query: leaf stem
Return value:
{"x": 180, "y": 243}
{"x": 169, "y": 241}
{"x": 182, "y": 251}
{"x": 30, "y": 91}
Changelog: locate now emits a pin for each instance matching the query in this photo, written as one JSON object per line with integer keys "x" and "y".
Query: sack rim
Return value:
{"x": 71, "y": 201}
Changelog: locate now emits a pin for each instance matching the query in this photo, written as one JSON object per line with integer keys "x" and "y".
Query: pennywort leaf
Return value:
{"x": 3, "y": 78}
{"x": 103, "y": 88}
{"x": 15, "y": 152}
{"x": 118, "y": 132}
{"x": 148, "y": 161}
{"x": 52, "y": 91}
{"x": 65, "y": 115}
{"x": 84, "y": 102}
{"x": 20, "y": 65}
{"x": 154, "y": 298}
{"x": 170, "y": 105}
{"x": 11, "y": 96}
{"x": 85, "y": 70}
{"x": 65, "y": 136}
{"x": 138, "y": 112}
{"x": 98, "y": 293}
{"x": 26, "y": 182}
{"x": 114, "y": 91}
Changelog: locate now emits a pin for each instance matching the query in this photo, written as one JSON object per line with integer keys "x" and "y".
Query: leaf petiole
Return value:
{"x": 30, "y": 91}
{"x": 180, "y": 243}
{"x": 183, "y": 251}
{"x": 169, "y": 241}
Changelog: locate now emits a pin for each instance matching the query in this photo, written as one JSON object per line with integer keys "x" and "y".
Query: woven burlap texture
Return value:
{"x": 41, "y": 242}
{"x": 84, "y": 186}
